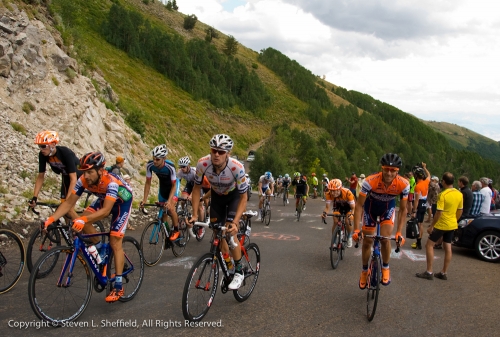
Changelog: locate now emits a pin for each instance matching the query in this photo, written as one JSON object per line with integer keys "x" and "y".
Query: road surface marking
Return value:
{"x": 186, "y": 261}
{"x": 276, "y": 236}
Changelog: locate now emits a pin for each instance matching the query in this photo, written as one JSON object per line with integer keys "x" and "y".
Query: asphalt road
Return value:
{"x": 297, "y": 293}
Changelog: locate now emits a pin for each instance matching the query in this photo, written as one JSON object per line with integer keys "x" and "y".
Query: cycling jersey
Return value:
{"x": 301, "y": 186}
{"x": 343, "y": 202}
{"x": 166, "y": 175}
{"x": 265, "y": 182}
{"x": 189, "y": 177}
{"x": 286, "y": 182}
{"x": 381, "y": 200}
{"x": 315, "y": 181}
{"x": 422, "y": 188}
{"x": 114, "y": 188}
{"x": 230, "y": 178}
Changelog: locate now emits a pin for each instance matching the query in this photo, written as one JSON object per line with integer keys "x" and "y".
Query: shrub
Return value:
{"x": 255, "y": 65}
{"x": 28, "y": 107}
{"x": 56, "y": 82}
{"x": 190, "y": 21}
{"x": 71, "y": 74}
{"x": 18, "y": 127}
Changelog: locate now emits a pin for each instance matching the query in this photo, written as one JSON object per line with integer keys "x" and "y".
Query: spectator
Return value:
{"x": 463, "y": 184}
{"x": 115, "y": 169}
{"x": 127, "y": 179}
{"x": 411, "y": 179}
{"x": 353, "y": 183}
{"x": 432, "y": 197}
{"x": 477, "y": 199}
{"x": 360, "y": 184}
{"x": 449, "y": 210}
{"x": 315, "y": 185}
{"x": 494, "y": 194}
{"x": 420, "y": 200}
{"x": 486, "y": 191}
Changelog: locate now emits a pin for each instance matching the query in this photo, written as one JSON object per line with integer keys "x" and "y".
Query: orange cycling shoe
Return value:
{"x": 362, "y": 279}
{"x": 174, "y": 235}
{"x": 114, "y": 295}
{"x": 386, "y": 276}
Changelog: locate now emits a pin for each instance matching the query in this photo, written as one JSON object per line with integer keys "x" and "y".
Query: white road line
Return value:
{"x": 186, "y": 261}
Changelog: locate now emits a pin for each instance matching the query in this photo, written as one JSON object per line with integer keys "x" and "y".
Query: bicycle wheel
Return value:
{"x": 335, "y": 248}
{"x": 179, "y": 245}
{"x": 133, "y": 268}
{"x": 37, "y": 246}
{"x": 299, "y": 209}
{"x": 344, "y": 242}
{"x": 12, "y": 259}
{"x": 65, "y": 302}
{"x": 267, "y": 213}
{"x": 373, "y": 286}
{"x": 284, "y": 198}
{"x": 152, "y": 243}
{"x": 251, "y": 266}
{"x": 200, "y": 288}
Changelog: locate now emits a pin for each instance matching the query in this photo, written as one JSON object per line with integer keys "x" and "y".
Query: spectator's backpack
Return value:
{"x": 110, "y": 168}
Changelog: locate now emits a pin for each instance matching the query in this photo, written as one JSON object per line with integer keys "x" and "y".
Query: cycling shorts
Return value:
{"x": 410, "y": 197}
{"x": 421, "y": 209}
{"x": 65, "y": 181}
{"x": 385, "y": 210}
{"x": 223, "y": 207}
{"x": 297, "y": 196}
{"x": 189, "y": 188}
{"x": 264, "y": 189}
{"x": 163, "y": 197}
{"x": 119, "y": 215}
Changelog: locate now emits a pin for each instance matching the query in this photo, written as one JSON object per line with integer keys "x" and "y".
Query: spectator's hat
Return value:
{"x": 435, "y": 178}
{"x": 362, "y": 175}
{"x": 125, "y": 177}
{"x": 120, "y": 160}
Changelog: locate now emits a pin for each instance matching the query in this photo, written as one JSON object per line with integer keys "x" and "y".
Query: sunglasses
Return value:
{"x": 220, "y": 152}
{"x": 42, "y": 146}
{"x": 86, "y": 167}
{"x": 182, "y": 167}
{"x": 157, "y": 159}
{"x": 390, "y": 169}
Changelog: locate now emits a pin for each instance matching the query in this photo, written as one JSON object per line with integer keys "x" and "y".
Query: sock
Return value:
{"x": 238, "y": 266}
{"x": 385, "y": 265}
{"x": 365, "y": 267}
{"x": 118, "y": 282}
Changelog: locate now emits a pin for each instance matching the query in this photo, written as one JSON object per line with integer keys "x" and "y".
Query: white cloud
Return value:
{"x": 432, "y": 59}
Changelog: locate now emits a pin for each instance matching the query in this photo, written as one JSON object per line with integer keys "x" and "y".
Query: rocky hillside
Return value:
{"x": 41, "y": 88}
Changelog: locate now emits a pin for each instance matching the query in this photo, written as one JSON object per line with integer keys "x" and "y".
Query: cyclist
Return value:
{"x": 62, "y": 161}
{"x": 266, "y": 187}
{"x": 324, "y": 185}
{"x": 315, "y": 185}
{"x": 286, "y": 183}
{"x": 423, "y": 178}
{"x": 114, "y": 196}
{"x": 342, "y": 200}
{"x": 279, "y": 184}
{"x": 228, "y": 189}
{"x": 165, "y": 171}
{"x": 301, "y": 187}
{"x": 377, "y": 198}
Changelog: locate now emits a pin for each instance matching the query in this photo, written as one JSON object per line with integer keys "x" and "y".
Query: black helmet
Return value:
{"x": 92, "y": 160}
{"x": 419, "y": 173}
{"x": 391, "y": 159}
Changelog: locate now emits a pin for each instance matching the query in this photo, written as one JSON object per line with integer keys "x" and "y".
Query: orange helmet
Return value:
{"x": 334, "y": 185}
{"x": 313, "y": 174}
{"x": 47, "y": 137}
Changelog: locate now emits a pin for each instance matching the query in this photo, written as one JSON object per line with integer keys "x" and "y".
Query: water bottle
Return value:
{"x": 93, "y": 251}
{"x": 248, "y": 231}
{"x": 229, "y": 262}
{"x": 167, "y": 227}
{"x": 103, "y": 251}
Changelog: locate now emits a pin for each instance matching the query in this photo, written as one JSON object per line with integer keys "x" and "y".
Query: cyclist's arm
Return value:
{"x": 66, "y": 206}
{"x": 72, "y": 181}
{"x": 147, "y": 187}
{"x": 401, "y": 214}
{"x": 358, "y": 210}
{"x": 327, "y": 206}
{"x": 103, "y": 212}
{"x": 195, "y": 199}
{"x": 307, "y": 190}
{"x": 260, "y": 188}
{"x": 39, "y": 183}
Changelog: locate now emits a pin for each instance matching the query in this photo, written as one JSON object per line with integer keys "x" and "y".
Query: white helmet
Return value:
{"x": 221, "y": 141}
{"x": 184, "y": 161}
{"x": 160, "y": 151}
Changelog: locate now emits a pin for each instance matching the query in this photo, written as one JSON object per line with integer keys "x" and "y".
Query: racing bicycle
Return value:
{"x": 339, "y": 239}
{"x": 265, "y": 217}
{"x": 12, "y": 258}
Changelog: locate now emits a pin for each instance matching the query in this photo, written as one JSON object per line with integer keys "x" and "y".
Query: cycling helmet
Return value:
{"x": 246, "y": 175}
{"x": 287, "y": 175}
{"x": 160, "y": 151}
{"x": 419, "y": 173}
{"x": 221, "y": 141}
{"x": 280, "y": 176}
{"x": 268, "y": 175}
{"x": 324, "y": 174}
{"x": 313, "y": 174}
{"x": 296, "y": 174}
{"x": 391, "y": 159}
{"x": 47, "y": 137}
{"x": 334, "y": 185}
{"x": 91, "y": 160}
{"x": 184, "y": 161}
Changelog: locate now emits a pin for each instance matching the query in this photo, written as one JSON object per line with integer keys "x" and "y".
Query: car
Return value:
{"x": 482, "y": 234}
{"x": 251, "y": 156}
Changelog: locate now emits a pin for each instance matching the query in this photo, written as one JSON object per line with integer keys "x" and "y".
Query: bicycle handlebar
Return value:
{"x": 398, "y": 242}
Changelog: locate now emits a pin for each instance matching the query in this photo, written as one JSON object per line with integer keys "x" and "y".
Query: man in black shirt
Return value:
{"x": 463, "y": 184}
{"x": 62, "y": 161}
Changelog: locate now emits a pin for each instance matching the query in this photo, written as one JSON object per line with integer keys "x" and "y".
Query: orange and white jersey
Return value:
{"x": 374, "y": 187}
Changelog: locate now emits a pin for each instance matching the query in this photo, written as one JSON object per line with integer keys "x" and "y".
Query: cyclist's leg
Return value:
{"x": 65, "y": 181}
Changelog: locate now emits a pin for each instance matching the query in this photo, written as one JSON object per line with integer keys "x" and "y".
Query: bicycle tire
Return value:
{"x": 37, "y": 246}
{"x": 373, "y": 286}
{"x": 179, "y": 245}
{"x": 196, "y": 300}
{"x": 152, "y": 243}
{"x": 335, "y": 248}
{"x": 64, "y": 303}
{"x": 267, "y": 213}
{"x": 344, "y": 242}
{"x": 12, "y": 260}
{"x": 132, "y": 281}
{"x": 299, "y": 209}
{"x": 284, "y": 198}
{"x": 251, "y": 267}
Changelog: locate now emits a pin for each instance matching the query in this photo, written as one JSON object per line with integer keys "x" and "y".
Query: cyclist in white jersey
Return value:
{"x": 266, "y": 186}
{"x": 229, "y": 194}
{"x": 188, "y": 173}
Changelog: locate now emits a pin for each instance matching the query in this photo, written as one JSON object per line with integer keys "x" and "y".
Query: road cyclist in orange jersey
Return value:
{"x": 228, "y": 195}
{"x": 165, "y": 171}
{"x": 423, "y": 178}
{"x": 341, "y": 200}
{"x": 377, "y": 198}
{"x": 114, "y": 196}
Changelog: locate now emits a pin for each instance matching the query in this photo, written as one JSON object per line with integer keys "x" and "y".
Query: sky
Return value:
{"x": 436, "y": 59}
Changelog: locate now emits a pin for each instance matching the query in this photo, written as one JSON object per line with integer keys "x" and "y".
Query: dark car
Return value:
{"x": 481, "y": 234}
